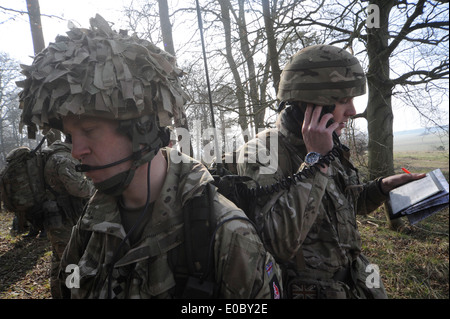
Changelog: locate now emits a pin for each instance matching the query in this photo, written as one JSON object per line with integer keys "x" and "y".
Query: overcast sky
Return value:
{"x": 15, "y": 34}
{"x": 15, "y": 37}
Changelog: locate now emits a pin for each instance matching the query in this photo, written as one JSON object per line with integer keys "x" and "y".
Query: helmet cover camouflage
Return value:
{"x": 102, "y": 73}
{"x": 322, "y": 75}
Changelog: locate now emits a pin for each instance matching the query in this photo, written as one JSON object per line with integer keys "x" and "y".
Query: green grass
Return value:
{"x": 413, "y": 262}
{"x": 421, "y": 162}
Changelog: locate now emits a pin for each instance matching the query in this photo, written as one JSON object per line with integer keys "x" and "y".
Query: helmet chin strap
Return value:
{"x": 116, "y": 184}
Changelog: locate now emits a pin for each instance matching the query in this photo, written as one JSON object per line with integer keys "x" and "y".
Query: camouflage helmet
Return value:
{"x": 322, "y": 75}
{"x": 103, "y": 73}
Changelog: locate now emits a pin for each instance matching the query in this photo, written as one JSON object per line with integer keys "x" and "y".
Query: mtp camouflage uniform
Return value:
{"x": 313, "y": 224}
{"x": 67, "y": 193}
{"x": 311, "y": 227}
{"x": 101, "y": 73}
{"x": 243, "y": 269}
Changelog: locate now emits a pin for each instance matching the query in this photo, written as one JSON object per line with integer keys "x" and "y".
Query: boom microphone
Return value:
{"x": 88, "y": 168}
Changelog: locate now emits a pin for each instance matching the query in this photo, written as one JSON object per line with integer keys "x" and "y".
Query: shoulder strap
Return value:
{"x": 193, "y": 262}
{"x": 41, "y": 159}
{"x": 192, "y": 265}
{"x": 35, "y": 170}
{"x": 198, "y": 221}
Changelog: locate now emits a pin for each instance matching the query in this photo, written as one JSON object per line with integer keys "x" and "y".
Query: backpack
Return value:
{"x": 22, "y": 182}
{"x": 194, "y": 269}
{"x": 22, "y": 185}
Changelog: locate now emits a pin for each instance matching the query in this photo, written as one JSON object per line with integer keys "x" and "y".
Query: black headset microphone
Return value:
{"x": 87, "y": 168}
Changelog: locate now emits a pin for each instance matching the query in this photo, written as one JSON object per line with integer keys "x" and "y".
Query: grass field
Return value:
{"x": 413, "y": 262}
{"x": 421, "y": 162}
{"x": 420, "y": 142}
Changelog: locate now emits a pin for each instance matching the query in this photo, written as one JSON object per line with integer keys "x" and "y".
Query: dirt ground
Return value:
{"x": 24, "y": 264}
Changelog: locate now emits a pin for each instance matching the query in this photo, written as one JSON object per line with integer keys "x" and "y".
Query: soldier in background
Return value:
{"x": 311, "y": 226}
{"x": 67, "y": 193}
{"x": 43, "y": 188}
{"x": 115, "y": 95}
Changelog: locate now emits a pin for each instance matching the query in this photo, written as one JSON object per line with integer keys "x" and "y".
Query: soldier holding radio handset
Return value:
{"x": 311, "y": 226}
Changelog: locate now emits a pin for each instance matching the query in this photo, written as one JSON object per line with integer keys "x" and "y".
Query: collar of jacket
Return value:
{"x": 290, "y": 137}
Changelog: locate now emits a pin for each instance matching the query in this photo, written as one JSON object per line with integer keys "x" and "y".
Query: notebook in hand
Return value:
{"x": 420, "y": 198}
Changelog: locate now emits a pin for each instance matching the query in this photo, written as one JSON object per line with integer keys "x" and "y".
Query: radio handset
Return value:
{"x": 327, "y": 109}
{"x": 293, "y": 120}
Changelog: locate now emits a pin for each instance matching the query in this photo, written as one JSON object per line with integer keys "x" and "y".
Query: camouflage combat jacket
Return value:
{"x": 65, "y": 185}
{"x": 243, "y": 269}
{"x": 313, "y": 224}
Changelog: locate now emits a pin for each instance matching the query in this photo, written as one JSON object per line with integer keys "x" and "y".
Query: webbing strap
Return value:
{"x": 154, "y": 248}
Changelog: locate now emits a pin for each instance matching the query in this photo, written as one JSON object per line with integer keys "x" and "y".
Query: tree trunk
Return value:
{"x": 166, "y": 31}
{"x": 240, "y": 94}
{"x": 34, "y": 14}
{"x": 166, "y": 27}
{"x": 257, "y": 109}
{"x": 271, "y": 44}
{"x": 379, "y": 110}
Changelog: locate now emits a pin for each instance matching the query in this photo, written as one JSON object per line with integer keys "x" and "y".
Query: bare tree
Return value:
{"x": 240, "y": 93}
{"x": 166, "y": 26}
{"x": 255, "y": 106}
{"x": 10, "y": 135}
{"x": 272, "y": 50}
{"x": 381, "y": 45}
{"x": 142, "y": 17}
{"x": 34, "y": 13}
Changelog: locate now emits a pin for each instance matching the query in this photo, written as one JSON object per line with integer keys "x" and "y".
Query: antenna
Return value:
{"x": 213, "y": 122}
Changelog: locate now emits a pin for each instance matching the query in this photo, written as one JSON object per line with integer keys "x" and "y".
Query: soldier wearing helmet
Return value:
{"x": 311, "y": 226}
{"x": 115, "y": 95}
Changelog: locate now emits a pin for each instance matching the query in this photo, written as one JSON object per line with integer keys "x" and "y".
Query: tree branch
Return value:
{"x": 406, "y": 27}
{"x": 439, "y": 72}
{"x": 26, "y": 12}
